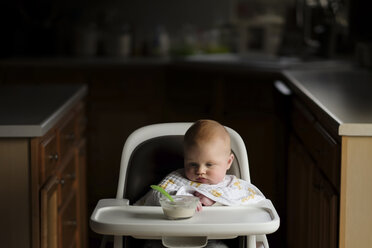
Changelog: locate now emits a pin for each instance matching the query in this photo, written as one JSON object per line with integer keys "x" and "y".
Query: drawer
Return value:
{"x": 302, "y": 122}
{"x": 49, "y": 156}
{"x": 67, "y": 135}
{"x": 67, "y": 178}
{"x": 319, "y": 143}
{"x": 327, "y": 153}
{"x": 68, "y": 224}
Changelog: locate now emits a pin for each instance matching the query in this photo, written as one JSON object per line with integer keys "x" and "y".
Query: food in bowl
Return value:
{"x": 182, "y": 207}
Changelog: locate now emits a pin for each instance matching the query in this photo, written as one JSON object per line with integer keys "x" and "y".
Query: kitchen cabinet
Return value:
{"x": 62, "y": 174}
{"x": 324, "y": 212}
{"x": 49, "y": 214}
{"x": 44, "y": 176}
{"x": 312, "y": 217}
{"x": 298, "y": 195}
{"x": 122, "y": 97}
{"x": 313, "y": 181}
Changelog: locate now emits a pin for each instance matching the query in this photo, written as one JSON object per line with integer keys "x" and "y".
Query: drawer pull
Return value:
{"x": 54, "y": 157}
{"x": 71, "y": 177}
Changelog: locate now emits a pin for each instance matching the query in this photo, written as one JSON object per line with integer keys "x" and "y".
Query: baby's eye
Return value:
{"x": 209, "y": 164}
{"x": 193, "y": 164}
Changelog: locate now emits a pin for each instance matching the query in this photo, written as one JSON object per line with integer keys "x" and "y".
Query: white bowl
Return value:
{"x": 183, "y": 207}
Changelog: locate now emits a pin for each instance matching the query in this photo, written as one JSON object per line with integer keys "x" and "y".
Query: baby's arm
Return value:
{"x": 205, "y": 201}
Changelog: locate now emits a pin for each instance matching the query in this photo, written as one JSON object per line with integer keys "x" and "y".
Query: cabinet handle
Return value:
{"x": 71, "y": 176}
{"x": 282, "y": 88}
{"x": 54, "y": 157}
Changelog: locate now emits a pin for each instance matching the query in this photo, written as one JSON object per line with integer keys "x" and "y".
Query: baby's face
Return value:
{"x": 207, "y": 163}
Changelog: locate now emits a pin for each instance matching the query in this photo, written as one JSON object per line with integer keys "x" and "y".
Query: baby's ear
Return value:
{"x": 230, "y": 161}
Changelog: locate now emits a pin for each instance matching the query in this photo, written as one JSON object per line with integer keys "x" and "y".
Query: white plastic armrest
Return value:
{"x": 112, "y": 202}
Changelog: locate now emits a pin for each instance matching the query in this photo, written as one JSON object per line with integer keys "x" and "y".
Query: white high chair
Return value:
{"x": 162, "y": 143}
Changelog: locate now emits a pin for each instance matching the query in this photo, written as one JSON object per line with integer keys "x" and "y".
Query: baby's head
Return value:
{"x": 207, "y": 152}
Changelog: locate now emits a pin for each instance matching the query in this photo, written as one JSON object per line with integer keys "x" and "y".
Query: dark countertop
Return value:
{"x": 31, "y": 110}
{"x": 344, "y": 94}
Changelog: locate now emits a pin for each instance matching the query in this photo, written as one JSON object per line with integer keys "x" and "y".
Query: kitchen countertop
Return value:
{"x": 31, "y": 110}
{"x": 344, "y": 94}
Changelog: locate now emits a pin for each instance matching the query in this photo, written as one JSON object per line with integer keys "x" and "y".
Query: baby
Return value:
{"x": 207, "y": 157}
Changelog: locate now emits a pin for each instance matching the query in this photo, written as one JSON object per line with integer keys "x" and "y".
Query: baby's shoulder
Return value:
{"x": 174, "y": 176}
{"x": 234, "y": 180}
{"x": 177, "y": 173}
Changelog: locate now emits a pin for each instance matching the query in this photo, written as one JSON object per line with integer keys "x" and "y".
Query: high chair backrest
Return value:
{"x": 153, "y": 151}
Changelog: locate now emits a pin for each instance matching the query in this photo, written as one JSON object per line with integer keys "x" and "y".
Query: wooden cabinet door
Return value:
{"x": 49, "y": 214}
{"x": 49, "y": 156}
{"x": 324, "y": 209}
{"x": 300, "y": 169}
{"x": 312, "y": 202}
{"x": 68, "y": 224}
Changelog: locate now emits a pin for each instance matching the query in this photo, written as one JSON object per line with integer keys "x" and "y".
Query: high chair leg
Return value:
{"x": 118, "y": 242}
{"x": 103, "y": 242}
{"x": 251, "y": 241}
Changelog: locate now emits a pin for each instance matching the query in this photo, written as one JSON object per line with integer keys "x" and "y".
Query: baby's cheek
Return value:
{"x": 217, "y": 177}
{"x": 188, "y": 175}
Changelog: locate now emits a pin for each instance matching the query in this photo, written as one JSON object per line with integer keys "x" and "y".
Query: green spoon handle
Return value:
{"x": 161, "y": 190}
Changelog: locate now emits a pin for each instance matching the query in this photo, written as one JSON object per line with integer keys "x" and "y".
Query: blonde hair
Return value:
{"x": 205, "y": 131}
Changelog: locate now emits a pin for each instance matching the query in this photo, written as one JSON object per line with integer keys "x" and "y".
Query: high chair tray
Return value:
{"x": 117, "y": 217}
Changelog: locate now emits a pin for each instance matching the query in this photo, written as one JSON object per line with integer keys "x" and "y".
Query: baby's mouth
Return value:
{"x": 201, "y": 179}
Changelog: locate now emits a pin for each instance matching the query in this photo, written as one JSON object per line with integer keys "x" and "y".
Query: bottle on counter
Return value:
{"x": 125, "y": 41}
{"x": 161, "y": 42}
{"x": 87, "y": 37}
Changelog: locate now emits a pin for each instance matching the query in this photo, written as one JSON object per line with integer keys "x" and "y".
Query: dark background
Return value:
{"x": 41, "y": 28}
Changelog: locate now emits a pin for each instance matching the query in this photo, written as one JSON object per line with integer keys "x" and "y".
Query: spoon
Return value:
{"x": 161, "y": 190}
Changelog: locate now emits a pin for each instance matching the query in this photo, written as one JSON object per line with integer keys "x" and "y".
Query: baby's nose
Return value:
{"x": 200, "y": 170}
